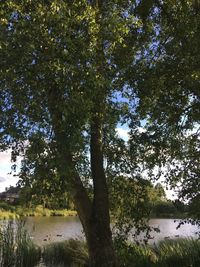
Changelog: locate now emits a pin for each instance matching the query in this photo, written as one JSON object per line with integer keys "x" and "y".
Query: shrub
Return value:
{"x": 6, "y": 215}
{"x": 5, "y": 206}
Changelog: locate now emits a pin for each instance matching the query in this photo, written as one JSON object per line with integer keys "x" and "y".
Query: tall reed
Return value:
{"x": 179, "y": 253}
{"x": 168, "y": 253}
{"x": 16, "y": 247}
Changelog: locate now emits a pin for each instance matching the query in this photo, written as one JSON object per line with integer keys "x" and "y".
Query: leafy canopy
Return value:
{"x": 135, "y": 63}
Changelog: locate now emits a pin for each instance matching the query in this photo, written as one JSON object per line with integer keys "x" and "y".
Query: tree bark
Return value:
{"x": 100, "y": 237}
{"x": 100, "y": 246}
{"x": 94, "y": 215}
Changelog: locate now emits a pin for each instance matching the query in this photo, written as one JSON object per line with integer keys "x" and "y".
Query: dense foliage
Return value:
{"x": 71, "y": 72}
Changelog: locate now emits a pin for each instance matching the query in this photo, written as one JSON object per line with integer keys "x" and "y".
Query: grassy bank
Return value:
{"x": 16, "y": 247}
{"x": 8, "y": 215}
{"x": 18, "y": 250}
{"x": 167, "y": 253}
{"x": 170, "y": 253}
{"x": 40, "y": 211}
{"x": 12, "y": 212}
{"x": 67, "y": 253}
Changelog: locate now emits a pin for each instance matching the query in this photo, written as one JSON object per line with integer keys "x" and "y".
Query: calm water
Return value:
{"x": 45, "y": 230}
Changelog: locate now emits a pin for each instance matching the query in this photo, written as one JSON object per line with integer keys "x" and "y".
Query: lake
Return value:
{"x": 45, "y": 230}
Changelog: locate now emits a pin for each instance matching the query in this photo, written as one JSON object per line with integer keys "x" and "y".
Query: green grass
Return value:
{"x": 5, "y": 215}
{"x": 72, "y": 253}
{"x": 179, "y": 253}
{"x": 135, "y": 255}
{"x": 63, "y": 213}
{"x": 168, "y": 253}
{"x": 16, "y": 248}
{"x": 11, "y": 212}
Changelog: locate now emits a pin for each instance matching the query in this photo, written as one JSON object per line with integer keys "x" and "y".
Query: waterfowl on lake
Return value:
{"x": 58, "y": 235}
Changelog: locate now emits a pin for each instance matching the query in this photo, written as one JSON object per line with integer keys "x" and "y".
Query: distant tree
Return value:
{"x": 193, "y": 208}
{"x": 160, "y": 191}
{"x": 164, "y": 208}
{"x": 25, "y": 196}
{"x": 179, "y": 205}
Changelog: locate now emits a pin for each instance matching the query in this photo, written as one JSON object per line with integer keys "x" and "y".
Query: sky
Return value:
{"x": 7, "y": 179}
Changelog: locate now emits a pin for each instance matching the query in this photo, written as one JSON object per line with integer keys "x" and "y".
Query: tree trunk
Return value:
{"x": 95, "y": 219}
{"x": 100, "y": 246}
{"x": 94, "y": 215}
{"x": 99, "y": 237}
{"x": 96, "y": 224}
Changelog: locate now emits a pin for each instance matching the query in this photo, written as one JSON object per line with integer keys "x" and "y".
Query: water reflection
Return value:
{"x": 51, "y": 229}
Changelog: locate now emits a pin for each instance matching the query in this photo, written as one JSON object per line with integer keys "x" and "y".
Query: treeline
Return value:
{"x": 157, "y": 204}
{"x": 29, "y": 197}
{"x": 169, "y": 208}
{"x": 133, "y": 196}
{"x": 162, "y": 207}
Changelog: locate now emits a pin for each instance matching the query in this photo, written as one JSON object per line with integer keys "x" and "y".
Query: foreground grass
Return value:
{"x": 168, "y": 253}
{"x": 67, "y": 253}
{"x": 16, "y": 248}
{"x": 12, "y": 213}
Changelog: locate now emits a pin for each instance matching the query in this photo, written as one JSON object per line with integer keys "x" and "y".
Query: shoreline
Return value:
{"x": 38, "y": 211}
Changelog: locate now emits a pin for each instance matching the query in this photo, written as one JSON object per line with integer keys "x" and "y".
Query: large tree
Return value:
{"x": 70, "y": 71}
{"x": 62, "y": 63}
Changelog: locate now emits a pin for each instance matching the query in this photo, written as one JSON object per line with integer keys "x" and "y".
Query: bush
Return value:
{"x": 5, "y": 206}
